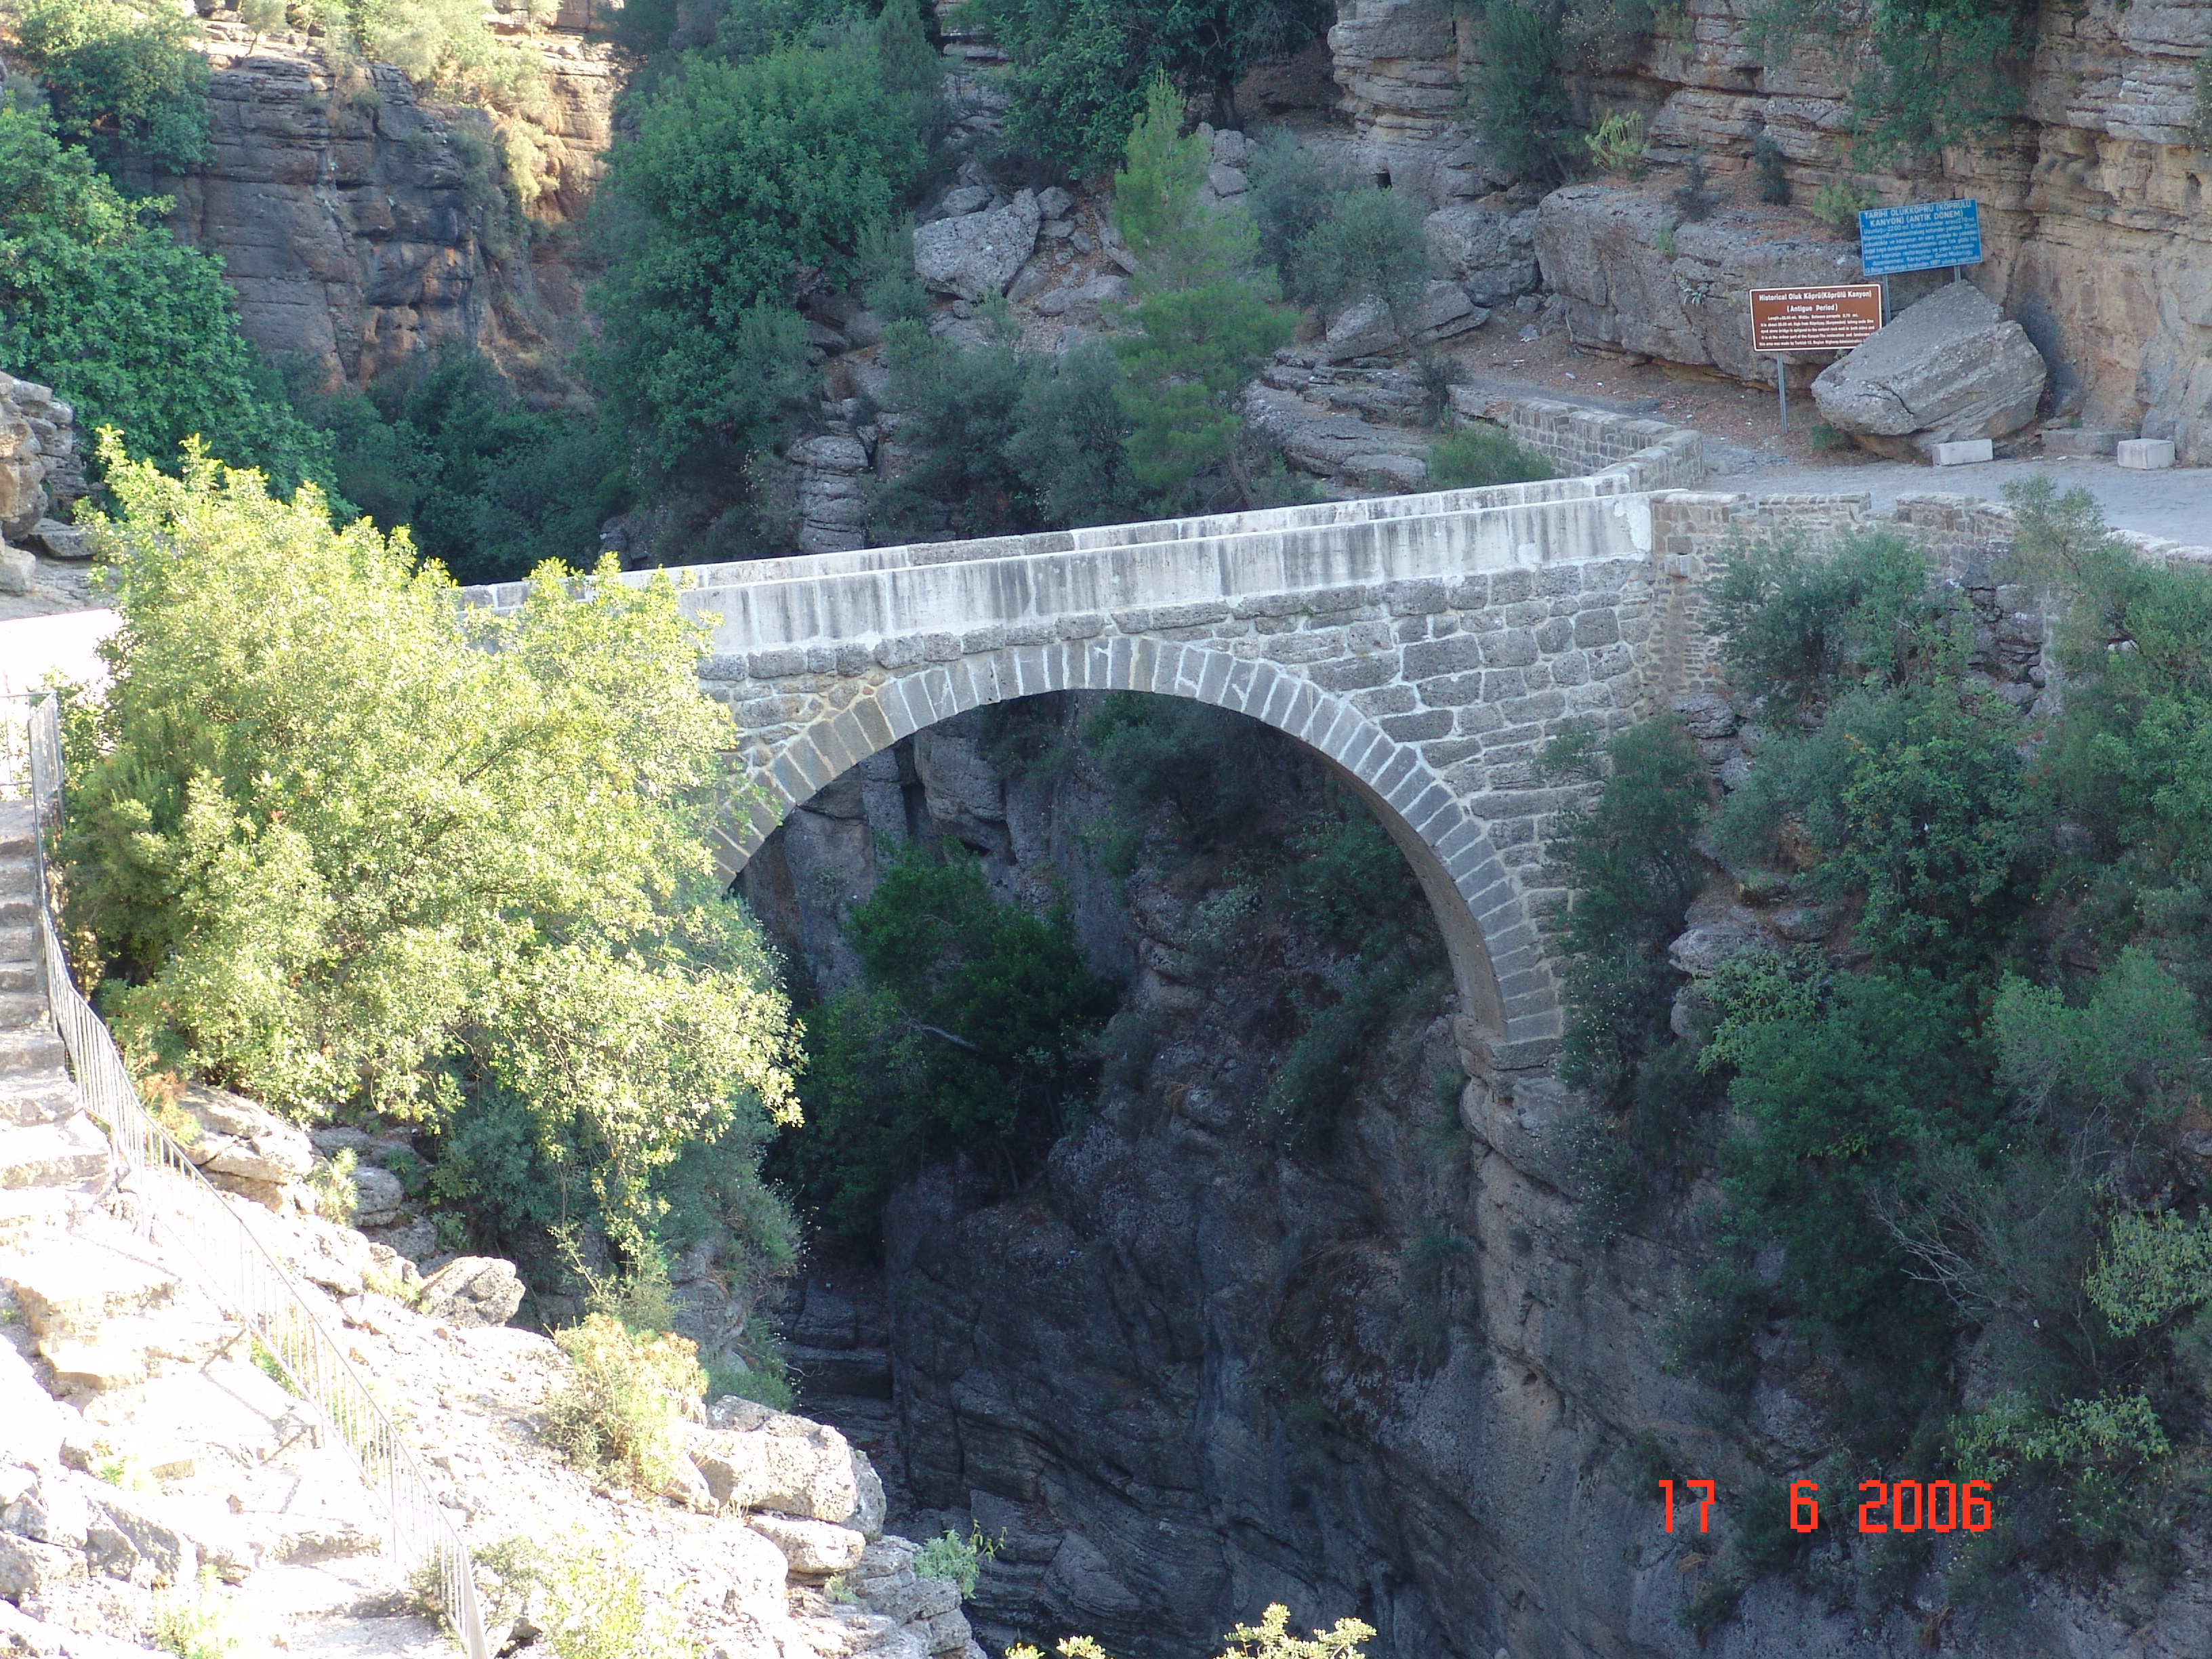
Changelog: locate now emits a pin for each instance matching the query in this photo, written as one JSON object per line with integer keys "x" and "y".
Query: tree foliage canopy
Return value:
{"x": 740, "y": 175}
{"x": 348, "y": 853}
{"x": 120, "y": 74}
{"x": 1082, "y": 68}
{"x": 132, "y": 329}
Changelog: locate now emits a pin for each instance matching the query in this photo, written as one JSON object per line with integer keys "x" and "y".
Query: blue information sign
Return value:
{"x": 1924, "y": 236}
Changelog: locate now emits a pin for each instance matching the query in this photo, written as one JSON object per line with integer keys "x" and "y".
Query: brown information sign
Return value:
{"x": 1833, "y": 318}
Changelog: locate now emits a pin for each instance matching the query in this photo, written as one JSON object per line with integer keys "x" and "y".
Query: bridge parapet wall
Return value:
{"x": 1641, "y": 454}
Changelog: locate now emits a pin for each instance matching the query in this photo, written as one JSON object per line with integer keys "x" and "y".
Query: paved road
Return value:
{"x": 2176, "y": 504}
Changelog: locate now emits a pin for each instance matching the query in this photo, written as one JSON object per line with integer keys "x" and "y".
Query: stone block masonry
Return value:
{"x": 1429, "y": 646}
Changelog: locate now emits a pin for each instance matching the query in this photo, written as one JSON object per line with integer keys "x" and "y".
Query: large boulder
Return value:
{"x": 977, "y": 254}
{"x": 1599, "y": 246}
{"x": 473, "y": 1290}
{"x": 1490, "y": 252}
{"x": 756, "y": 1459}
{"x": 243, "y": 1147}
{"x": 1951, "y": 366}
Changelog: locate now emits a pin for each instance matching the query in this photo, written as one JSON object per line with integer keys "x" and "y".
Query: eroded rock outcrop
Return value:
{"x": 2095, "y": 241}
{"x": 360, "y": 224}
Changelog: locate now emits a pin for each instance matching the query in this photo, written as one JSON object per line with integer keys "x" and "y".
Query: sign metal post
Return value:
{"x": 1834, "y": 317}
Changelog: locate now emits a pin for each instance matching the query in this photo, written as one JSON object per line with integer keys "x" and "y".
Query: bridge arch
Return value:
{"x": 1496, "y": 953}
{"x": 1426, "y": 646}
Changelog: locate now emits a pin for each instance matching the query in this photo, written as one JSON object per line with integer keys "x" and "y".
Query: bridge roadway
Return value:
{"x": 1428, "y": 645}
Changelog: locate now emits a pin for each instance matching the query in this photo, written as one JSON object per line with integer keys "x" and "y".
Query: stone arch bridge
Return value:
{"x": 1427, "y": 646}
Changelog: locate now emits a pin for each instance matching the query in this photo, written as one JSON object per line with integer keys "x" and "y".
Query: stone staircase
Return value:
{"x": 149, "y": 1451}
{"x": 52, "y": 1156}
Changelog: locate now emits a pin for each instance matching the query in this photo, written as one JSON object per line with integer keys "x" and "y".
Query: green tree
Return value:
{"x": 1834, "y": 1080}
{"x": 738, "y": 175}
{"x": 1630, "y": 860}
{"x": 1944, "y": 72}
{"x": 1071, "y": 441}
{"x": 958, "y": 412}
{"x": 1293, "y": 190}
{"x": 968, "y": 1032}
{"x": 1180, "y": 241}
{"x": 1370, "y": 244}
{"x": 119, "y": 73}
{"x": 1202, "y": 325}
{"x": 351, "y": 855}
{"x": 1524, "y": 107}
{"x": 1081, "y": 68}
{"x": 488, "y": 486}
{"x": 133, "y": 329}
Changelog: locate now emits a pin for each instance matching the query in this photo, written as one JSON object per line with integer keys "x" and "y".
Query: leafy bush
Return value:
{"x": 331, "y": 1184}
{"x": 488, "y": 486}
{"x": 1945, "y": 72}
{"x": 971, "y": 1030}
{"x": 738, "y": 174}
{"x": 1616, "y": 144}
{"x": 594, "y": 1604}
{"x": 1197, "y": 758}
{"x": 1479, "y": 454}
{"x": 1525, "y": 109}
{"x": 133, "y": 329}
{"x": 1313, "y": 1081}
{"x": 349, "y": 855}
{"x": 1691, "y": 199}
{"x": 619, "y": 1415}
{"x": 2154, "y": 1268}
{"x": 1768, "y": 158}
{"x": 1294, "y": 190}
{"x": 119, "y": 73}
{"x": 1369, "y": 244}
{"x": 203, "y": 1622}
{"x": 956, "y": 1560}
{"x": 761, "y": 1373}
{"x": 1837, "y": 205}
{"x": 1004, "y": 441}
{"x": 1795, "y": 622}
{"x": 1270, "y": 1639}
{"x": 443, "y": 47}
{"x": 1631, "y": 858}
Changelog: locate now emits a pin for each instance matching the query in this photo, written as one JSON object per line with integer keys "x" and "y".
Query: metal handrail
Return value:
{"x": 233, "y": 1264}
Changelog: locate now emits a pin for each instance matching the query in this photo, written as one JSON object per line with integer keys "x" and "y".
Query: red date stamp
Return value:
{"x": 1896, "y": 1505}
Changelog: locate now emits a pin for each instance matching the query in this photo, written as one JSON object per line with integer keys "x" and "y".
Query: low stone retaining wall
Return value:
{"x": 1582, "y": 442}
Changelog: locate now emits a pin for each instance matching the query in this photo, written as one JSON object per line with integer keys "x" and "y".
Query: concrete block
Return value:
{"x": 2146, "y": 454}
{"x": 1963, "y": 452}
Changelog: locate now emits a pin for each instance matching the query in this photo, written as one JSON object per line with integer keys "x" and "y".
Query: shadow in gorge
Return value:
{"x": 1141, "y": 1197}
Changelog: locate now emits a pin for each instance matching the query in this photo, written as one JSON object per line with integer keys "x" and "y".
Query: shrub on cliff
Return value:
{"x": 619, "y": 1412}
{"x": 1081, "y": 67}
{"x": 739, "y": 175}
{"x": 1271, "y": 1639}
{"x": 133, "y": 329}
{"x": 120, "y": 74}
{"x": 327, "y": 847}
{"x": 970, "y": 1032}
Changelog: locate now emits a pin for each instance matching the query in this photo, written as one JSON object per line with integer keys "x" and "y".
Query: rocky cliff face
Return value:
{"x": 361, "y": 224}
{"x": 1183, "y": 1372}
{"x": 2091, "y": 211}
